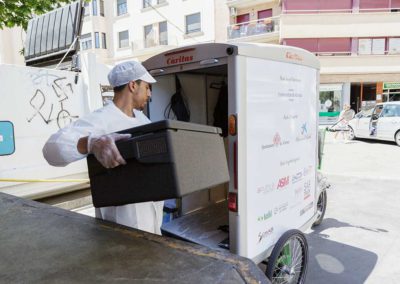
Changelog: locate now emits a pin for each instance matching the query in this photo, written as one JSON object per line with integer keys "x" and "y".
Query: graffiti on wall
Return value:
{"x": 50, "y": 106}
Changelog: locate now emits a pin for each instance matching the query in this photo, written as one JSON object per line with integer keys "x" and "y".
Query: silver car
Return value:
{"x": 381, "y": 122}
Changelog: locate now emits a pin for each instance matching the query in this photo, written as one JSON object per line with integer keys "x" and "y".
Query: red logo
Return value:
{"x": 283, "y": 182}
{"x": 293, "y": 56}
{"x": 277, "y": 139}
{"x": 179, "y": 59}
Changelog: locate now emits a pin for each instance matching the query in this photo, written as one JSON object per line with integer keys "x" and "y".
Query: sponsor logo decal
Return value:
{"x": 304, "y": 135}
{"x": 276, "y": 142}
{"x": 289, "y": 162}
{"x": 293, "y": 56}
{"x": 307, "y": 170}
{"x": 307, "y": 189}
{"x": 265, "y": 234}
{"x": 298, "y": 192}
{"x": 265, "y": 216}
{"x": 266, "y": 188}
{"x": 283, "y": 182}
{"x": 297, "y": 177}
{"x": 281, "y": 208}
{"x": 277, "y": 139}
{"x": 179, "y": 59}
{"x": 305, "y": 209}
{"x": 290, "y": 116}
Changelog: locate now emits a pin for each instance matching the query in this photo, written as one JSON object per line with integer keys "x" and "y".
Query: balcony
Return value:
{"x": 359, "y": 68}
{"x": 340, "y": 25}
{"x": 249, "y": 3}
{"x": 261, "y": 30}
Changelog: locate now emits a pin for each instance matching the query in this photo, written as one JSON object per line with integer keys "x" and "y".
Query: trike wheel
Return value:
{"x": 287, "y": 263}
{"x": 321, "y": 207}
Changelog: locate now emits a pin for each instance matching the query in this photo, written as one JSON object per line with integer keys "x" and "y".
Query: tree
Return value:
{"x": 19, "y": 12}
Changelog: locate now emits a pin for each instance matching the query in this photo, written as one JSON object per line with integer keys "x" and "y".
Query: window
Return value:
{"x": 86, "y": 41}
{"x": 374, "y": 5}
{"x": 371, "y": 46}
{"x": 264, "y": 14}
{"x": 394, "y": 45}
{"x": 242, "y": 18}
{"x": 94, "y": 7}
{"x": 87, "y": 9}
{"x": 148, "y": 36}
{"x": 311, "y": 6}
{"x": 310, "y": 44}
{"x": 193, "y": 23}
{"x": 96, "y": 40}
{"x": 163, "y": 33}
{"x": 322, "y": 45}
{"x": 146, "y": 3}
{"x": 391, "y": 111}
{"x": 123, "y": 38}
{"x": 122, "y": 7}
{"x": 102, "y": 8}
{"x": 332, "y": 45}
{"x": 103, "y": 38}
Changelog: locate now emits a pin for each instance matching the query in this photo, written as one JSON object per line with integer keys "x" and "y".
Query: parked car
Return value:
{"x": 381, "y": 122}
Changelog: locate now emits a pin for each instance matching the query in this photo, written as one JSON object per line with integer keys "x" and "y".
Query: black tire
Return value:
{"x": 351, "y": 135}
{"x": 397, "y": 138}
{"x": 321, "y": 207}
{"x": 276, "y": 268}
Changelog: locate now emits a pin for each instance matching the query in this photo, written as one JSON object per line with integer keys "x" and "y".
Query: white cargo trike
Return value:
{"x": 264, "y": 97}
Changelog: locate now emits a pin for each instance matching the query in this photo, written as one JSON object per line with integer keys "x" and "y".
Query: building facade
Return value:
{"x": 118, "y": 30}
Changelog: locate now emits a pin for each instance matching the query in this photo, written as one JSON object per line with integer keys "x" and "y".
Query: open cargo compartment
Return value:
{"x": 272, "y": 152}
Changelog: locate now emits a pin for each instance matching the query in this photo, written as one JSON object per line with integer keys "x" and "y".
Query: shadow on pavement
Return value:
{"x": 373, "y": 141}
{"x": 334, "y": 262}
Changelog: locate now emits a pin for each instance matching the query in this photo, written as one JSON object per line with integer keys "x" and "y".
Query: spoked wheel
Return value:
{"x": 321, "y": 207}
{"x": 288, "y": 261}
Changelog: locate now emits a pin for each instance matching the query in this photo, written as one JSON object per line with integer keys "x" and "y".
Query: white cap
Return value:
{"x": 128, "y": 71}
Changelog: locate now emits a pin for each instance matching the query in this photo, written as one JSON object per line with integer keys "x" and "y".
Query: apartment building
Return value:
{"x": 357, "y": 42}
{"x": 11, "y": 46}
{"x": 118, "y": 30}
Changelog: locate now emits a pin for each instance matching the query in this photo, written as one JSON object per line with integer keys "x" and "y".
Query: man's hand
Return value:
{"x": 104, "y": 149}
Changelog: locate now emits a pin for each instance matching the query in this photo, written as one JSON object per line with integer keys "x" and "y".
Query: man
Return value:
{"x": 94, "y": 134}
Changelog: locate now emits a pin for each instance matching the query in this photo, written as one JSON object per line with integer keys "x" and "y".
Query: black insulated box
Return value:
{"x": 165, "y": 159}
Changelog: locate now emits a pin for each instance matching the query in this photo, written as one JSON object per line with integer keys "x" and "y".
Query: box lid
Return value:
{"x": 171, "y": 124}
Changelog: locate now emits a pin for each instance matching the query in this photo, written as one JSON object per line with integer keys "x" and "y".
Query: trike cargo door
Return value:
{"x": 281, "y": 149}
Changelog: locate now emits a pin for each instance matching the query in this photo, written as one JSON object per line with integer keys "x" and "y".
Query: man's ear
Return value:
{"x": 132, "y": 86}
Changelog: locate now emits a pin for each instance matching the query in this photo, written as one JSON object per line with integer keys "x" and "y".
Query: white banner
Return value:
{"x": 281, "y": 150}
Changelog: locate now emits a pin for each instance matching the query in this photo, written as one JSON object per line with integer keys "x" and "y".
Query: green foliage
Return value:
{"x": 19, "y": 12}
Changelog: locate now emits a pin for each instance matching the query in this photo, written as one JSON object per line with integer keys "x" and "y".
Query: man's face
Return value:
{"x": 143, "y": 94}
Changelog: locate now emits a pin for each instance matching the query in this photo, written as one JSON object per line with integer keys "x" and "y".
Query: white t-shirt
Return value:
{"x": 61, "y": 149}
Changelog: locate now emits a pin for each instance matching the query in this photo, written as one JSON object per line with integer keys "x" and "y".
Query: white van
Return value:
{"x": 381, "y": 122}
{"x": 266, "y": 96}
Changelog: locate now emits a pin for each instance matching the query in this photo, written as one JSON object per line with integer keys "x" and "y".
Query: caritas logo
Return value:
{"x": 179, "y": 59}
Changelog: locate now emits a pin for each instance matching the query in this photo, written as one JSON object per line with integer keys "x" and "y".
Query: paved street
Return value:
{"x": 359, "y": 240}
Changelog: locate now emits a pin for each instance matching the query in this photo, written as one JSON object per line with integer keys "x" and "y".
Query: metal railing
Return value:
{"x": 255, "y": 27}
{"x": 354, "y": 11}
